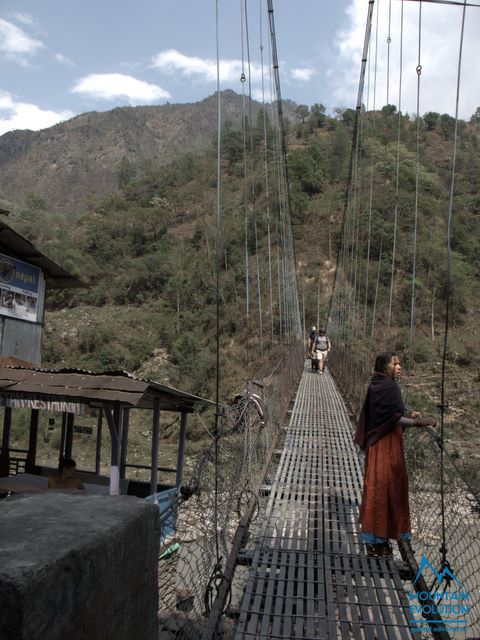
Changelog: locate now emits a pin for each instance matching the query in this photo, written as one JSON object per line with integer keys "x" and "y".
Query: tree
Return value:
{"x": 232, "y": 145}
{"x": 307, "y": 167}
{"x": 125, "y": 174}
{"x": 447, "y": 125}
{"x": 317, "y": 115}
{"x": 431, "y": 119}
{"x": 347, "y": 116}
{"x": 476, "y": 116}
{"x": 389, "y": 109}
{"x": 302, "y": 112}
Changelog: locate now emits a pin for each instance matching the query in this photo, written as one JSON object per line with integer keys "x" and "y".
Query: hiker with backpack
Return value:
{"x": 321, "y": 349}
{"x": 311, "y": 344}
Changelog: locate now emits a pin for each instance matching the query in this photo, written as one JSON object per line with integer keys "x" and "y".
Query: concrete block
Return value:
{"x": 78, "y": 566}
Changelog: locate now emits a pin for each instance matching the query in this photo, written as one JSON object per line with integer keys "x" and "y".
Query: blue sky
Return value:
{"x": 60, "y": 58}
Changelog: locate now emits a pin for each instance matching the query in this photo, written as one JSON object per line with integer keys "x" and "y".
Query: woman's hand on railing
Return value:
{"x": 424, "y": 422}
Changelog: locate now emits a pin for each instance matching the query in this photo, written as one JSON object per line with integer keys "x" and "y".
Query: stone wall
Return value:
{"x": 78, "y": 567}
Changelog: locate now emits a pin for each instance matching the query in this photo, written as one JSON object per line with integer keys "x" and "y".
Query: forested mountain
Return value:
{"x": 145, "y": 247}
{"x": 74, "y": 162}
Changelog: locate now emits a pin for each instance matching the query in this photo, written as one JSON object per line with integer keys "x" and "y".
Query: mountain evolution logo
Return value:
{"x": 447, "y": 574}
{"x": 444, "y": 609}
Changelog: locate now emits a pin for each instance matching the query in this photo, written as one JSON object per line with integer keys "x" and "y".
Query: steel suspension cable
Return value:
{"x": 342, "y": 237}
{"x": 293, "y": 298}
{"x": 252, "y": 187}
{"x": 443, "y": 401}
{"x": 217, "y": 282}
{"x": 245, "y": 184}
{"x": 374, "y": 312}
{"x": 417, "y": 191}
{"x": 389, "y": 40}
{"x": 397, "y": 177}
{"x": 267, "y": 186}
{"x": 372, "y": 172}
{"x": 276, "y": 174}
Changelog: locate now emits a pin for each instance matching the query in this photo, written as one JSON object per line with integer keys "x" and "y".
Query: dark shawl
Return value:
{"x": 382, "y": 409}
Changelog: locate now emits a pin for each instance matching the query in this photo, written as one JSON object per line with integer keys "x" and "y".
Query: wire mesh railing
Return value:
{"x": 440, "y": 498}
{"x": 445, "y": 516}
{"x": 205, "y": 529}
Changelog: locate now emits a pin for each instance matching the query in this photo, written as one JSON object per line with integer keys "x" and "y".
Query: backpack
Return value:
{"x": 321, "y": 343}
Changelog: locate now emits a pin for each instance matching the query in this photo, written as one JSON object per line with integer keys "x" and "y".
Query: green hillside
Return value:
{"x": 146, "y": 253}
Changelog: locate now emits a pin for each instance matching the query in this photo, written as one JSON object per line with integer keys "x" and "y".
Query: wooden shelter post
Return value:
{"x": 61, "y": 453}
{"x": 114, "y": 420}
{"x": 32, "y": 442}
{"x": 181, "y": 448}
{"x": 124, "y": 442}
{"x": 5, "y": 454}
{"x": 98, "y": 447}
{"x": 69, "y": 435}
{"x": 155, "y": 436}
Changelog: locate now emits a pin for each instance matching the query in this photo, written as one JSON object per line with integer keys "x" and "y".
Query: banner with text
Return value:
{"x": 19, "y": 286}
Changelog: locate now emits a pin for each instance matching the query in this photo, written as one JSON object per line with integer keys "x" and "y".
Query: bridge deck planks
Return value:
{"x": 310, "y": 577}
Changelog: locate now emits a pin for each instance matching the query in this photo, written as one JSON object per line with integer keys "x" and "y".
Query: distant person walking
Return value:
{"x": 322, "y": 348}
{"x": 384, "y": 513}
{"x": 311, "y": 343}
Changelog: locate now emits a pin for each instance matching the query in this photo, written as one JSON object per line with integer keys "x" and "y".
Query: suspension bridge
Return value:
{"x": 263, "y": 540}
{"x": 267, "y": 535}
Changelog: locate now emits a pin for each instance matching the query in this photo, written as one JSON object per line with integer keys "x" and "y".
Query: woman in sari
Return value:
{"x": 384, "y": 513}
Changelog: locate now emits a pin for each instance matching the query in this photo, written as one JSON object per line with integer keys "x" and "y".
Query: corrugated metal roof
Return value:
{"x": 19, "y": 247}
{"x": 86, "y": 387}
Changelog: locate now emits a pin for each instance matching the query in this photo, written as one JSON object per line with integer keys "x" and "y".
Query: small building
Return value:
{"x": 72, "y": 392}
{"x": 25, "y": 275}
{"x": 104, "y": 541}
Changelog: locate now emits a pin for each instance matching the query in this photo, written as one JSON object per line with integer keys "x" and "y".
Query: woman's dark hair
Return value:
{"x": 382, "y": 360}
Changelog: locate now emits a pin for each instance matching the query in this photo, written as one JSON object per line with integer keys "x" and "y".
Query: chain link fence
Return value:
{"x": 444, "y": 510}
{"x": 203, "y": 563}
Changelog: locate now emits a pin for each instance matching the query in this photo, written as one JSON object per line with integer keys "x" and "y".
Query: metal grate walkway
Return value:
{"x": 310, "y": 577}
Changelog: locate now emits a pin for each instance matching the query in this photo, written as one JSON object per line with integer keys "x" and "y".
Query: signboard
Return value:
{"x": 19, "y": 287}
{"x": 21, "y": 402}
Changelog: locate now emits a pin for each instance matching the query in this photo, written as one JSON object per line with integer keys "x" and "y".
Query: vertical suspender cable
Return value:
{"x": 389, "y": 40}
{"x": 443, "y": 403}
{"x": 275, "y": 155}
{"x": 267, "y": 189}
{"x": 252, "y": 194}
{"x": 245, "y": 195}
{"x": 293, "y": 310}
{"x": 217, "y": 286}
{"x": 374, "y": 313}
{"x": 397, "y": 178}
{"x": 417, "y": 186}
{"x": 372, "y": 172}
{"x": 361, "y": 83}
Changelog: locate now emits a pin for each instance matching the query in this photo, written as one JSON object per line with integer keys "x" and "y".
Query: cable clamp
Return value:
{"x": 243, "y": 78}
{"x": 419, "y": 69}
{"x": 389, "y": 40}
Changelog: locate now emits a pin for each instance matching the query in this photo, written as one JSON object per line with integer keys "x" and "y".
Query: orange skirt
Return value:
{"x": 384, "y": 511}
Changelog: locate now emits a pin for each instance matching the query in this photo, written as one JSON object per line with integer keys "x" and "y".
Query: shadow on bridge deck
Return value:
{"x": 310, "y": 576}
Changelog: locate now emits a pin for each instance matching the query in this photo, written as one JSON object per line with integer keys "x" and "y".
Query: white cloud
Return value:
{"x": 61, "y": 59}
{"x": 261, "y": 96}
{"x": 15, "y": 44}
{"x": 110, "y": 86}
{"x": 22, "y": 115}
{"x": 440, "y": 39}
{"x": 24, "y": 18}
{"x": 173, "y": 62}
{"x": 303, "y": 74}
